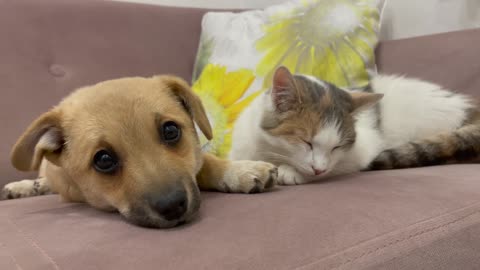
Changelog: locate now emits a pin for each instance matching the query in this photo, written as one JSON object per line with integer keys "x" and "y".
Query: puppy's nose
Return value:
{"x": 172, "y": 205}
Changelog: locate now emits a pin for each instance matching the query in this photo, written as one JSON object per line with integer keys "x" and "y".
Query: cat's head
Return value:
{"x": 310, "y": 123}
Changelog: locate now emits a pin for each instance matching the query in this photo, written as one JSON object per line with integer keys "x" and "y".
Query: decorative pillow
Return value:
{"x": 238, "y": 52}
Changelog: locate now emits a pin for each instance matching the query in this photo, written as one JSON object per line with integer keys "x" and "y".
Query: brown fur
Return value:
{"x": 303, "y": 107}
{"x": 125, "y": 115}
{"x": 298, "y": 126}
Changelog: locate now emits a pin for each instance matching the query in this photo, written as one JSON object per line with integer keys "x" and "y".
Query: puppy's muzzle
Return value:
{"x": 166, "y": 206}
{"x": 171, "y": 204}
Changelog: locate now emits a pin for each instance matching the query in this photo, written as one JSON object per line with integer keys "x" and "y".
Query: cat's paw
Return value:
{"x": 246, "y": 176}
{"x": 288, "y": 175}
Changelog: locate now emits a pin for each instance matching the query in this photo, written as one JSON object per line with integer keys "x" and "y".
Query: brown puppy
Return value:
{"x": 130, "y": 145}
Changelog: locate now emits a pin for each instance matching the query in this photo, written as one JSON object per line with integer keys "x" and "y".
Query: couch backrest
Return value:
{"x": 50, "y": 47}
{"x": 450, "y": 59}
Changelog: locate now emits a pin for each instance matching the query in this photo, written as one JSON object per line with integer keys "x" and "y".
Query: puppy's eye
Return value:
{"x": 171, "y": 132}
{"x": 105, "y": 162}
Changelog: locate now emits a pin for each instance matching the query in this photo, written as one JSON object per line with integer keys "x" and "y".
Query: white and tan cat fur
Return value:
{"x": 312, "y": 129}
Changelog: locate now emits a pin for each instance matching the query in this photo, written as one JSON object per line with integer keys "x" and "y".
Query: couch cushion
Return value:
{"x": 451, "y": 59}
{"x": 239, "y": 52}
{"x": 369, "y": 220}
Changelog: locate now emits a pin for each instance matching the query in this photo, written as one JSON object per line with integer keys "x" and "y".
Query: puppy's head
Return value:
{"x": 128, "y": 145}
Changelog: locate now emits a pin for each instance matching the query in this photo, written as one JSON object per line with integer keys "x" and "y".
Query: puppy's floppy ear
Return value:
{"x": 43, "y": 138}
{"x": 191, "y": 101}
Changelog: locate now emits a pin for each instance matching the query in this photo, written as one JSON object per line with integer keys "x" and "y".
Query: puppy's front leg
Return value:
{"x": 242, "y": 176}
{"x": 25, "y": 188}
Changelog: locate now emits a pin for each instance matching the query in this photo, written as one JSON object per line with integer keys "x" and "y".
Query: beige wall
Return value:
{"x": 403, "y": 18}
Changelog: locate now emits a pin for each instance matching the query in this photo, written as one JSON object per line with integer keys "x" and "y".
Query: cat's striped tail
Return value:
{"x": 459, "y": 146}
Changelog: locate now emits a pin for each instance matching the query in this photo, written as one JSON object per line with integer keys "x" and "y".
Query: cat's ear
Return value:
{"x": 364, "y": 100}
{"x": 284, "y": 92}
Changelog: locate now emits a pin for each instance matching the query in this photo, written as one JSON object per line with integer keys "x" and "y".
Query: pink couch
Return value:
{"x": 427, "y": 218}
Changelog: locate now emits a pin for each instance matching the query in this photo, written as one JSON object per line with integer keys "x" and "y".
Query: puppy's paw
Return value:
{"x": 246, "y": 176}
{"x": 23, "y": 188}
{"x": 288, "y": 175}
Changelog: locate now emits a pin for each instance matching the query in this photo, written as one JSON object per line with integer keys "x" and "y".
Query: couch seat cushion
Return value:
{"x": 373, "y": 220}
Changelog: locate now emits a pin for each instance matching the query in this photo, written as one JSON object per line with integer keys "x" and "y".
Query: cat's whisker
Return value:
{"x": 277, "y": 157}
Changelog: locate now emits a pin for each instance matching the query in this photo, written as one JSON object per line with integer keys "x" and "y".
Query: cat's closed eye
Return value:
{"x": 308, "y": 143}
{"x": 336, "y": 147}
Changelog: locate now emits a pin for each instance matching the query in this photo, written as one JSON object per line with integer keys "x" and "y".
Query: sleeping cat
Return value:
{"x": 312, "y": 129}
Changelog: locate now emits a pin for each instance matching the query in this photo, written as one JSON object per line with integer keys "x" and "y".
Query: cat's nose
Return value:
{"x": 317, "y": 171}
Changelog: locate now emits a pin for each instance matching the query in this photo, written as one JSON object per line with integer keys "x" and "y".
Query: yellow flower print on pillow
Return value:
{"x": 223, "y": 95}
{"x": 332, "y": 40}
